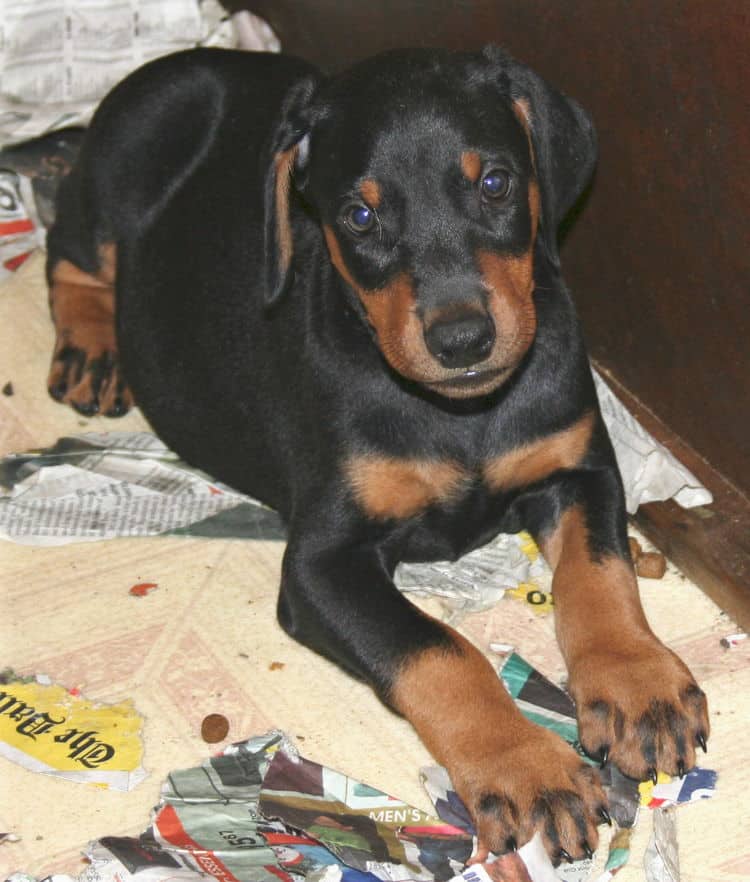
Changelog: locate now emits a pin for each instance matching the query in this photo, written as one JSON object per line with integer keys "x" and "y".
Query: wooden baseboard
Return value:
{"x": 711, "y": 543}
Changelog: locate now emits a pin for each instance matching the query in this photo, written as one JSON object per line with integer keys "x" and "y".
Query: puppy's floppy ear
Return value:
{"x": 288, "y": 152}
{"x": 563, "y": 139}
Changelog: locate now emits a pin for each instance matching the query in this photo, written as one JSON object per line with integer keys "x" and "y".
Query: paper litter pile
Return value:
{"x": 259, "y": 812}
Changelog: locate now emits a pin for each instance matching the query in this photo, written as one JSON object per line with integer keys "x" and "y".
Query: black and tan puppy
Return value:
{"x": 343, "y": 296}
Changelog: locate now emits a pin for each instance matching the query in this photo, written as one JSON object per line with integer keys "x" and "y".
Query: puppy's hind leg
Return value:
{"x": 85, "y": 371}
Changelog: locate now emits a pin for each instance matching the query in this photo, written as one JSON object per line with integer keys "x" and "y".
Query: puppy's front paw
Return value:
{"x": 639, "y": 707}
{"x": 538, "y": 784}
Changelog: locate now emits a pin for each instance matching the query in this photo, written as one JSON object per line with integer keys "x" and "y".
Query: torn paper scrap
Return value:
{"x": 697, "y": 784}
{"x": 480, "y": 578}
{"x": 46, "y": 729}
{"x": 650, "y": 473}
{"x": 363, "y": 827}
{"x": 661, "y": 862}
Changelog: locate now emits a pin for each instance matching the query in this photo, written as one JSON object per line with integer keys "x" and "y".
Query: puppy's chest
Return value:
{"x": 399, "y": 487}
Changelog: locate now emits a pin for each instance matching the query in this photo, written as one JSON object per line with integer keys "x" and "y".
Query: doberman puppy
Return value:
{"x": 343, "y": 296}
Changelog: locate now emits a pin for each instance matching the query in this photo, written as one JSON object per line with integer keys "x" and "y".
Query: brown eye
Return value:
{"x": 496, "y": 184}
{"x": 359, "y": 219}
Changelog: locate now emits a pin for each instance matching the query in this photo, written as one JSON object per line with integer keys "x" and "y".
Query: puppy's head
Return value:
{"x": 439, "y": 179}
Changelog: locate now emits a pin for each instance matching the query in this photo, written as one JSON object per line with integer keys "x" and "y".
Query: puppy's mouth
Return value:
{"x": 471, "y": 382}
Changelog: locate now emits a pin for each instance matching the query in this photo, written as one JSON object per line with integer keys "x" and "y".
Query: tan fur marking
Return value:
{"x": 534, "y": 461}
{"x": 284, "y": 162}
{"x": 391, "y": 311}
{"x": 522, "y": 110}
{"x": 602, "y": 592}
{"x": 440, "y": 690}
{"x": 370, "y": 191}
{"x": 83, "y": 311}
{"x": 471, "y": 165}
{"x": 85, "y": 300}
{"x": 387, "y": 487}
{"x": 510, "y": 284}
{"x": 619, "y": 671}
{"x": 467, "y": 720}
{"x": 334, "y": 249}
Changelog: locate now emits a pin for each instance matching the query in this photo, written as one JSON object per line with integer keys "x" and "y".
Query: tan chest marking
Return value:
{"x": 389, "y": 487}
{"x": 534, "y": 461}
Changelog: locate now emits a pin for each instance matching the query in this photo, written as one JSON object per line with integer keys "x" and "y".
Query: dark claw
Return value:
{"x": 701, "y": 739}
{"x": 651, "y": 773}
{"x": 605, "y": 816}
{"x": 681, "y": 768}
{"x": 117, "y": 409}
{"x": 86, "y": 408}
{"x": 603, "y": 756}
{"x": 511, "y": 844}
{"x": 565, "y": 856}
{"x": 587, "y": 849}
{"x": 58, "y": 390}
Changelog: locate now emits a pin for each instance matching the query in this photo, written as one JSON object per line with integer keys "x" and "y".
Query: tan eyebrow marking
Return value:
{"x": 471, "y": 165}
{"x": 370, "y": 191}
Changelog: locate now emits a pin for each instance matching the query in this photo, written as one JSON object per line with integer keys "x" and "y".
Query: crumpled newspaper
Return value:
{"x": 58, "y": 59}
{"x": 650, "y": 473}
{"x": 100, "y": 486}
{"x": 260, "y": 811}
{"x": 480, "y": 578}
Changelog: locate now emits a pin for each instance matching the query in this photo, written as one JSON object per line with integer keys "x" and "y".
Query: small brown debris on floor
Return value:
{"x": 8, "y": 388}
{"x": 276, "y": 666}
{"x": 648, "y": 564}
{"x": 214, "y": 728}
{"x": 651, "y": 565}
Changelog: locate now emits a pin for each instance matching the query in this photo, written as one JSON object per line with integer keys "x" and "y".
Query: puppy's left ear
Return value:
{"x": 288, "y": 154}
{"x": 563, "y": 139}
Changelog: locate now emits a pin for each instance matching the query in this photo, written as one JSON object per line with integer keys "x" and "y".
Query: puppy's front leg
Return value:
{"x": 515, "y": 777}
{"x": 637, "y": 703}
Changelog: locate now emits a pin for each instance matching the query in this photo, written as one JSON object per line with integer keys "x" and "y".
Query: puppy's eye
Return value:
{"x": 359, "y": 219}
{"x": 496, "y": 184}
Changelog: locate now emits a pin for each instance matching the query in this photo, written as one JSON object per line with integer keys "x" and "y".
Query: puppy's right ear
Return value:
{"x": 288, "y": 153}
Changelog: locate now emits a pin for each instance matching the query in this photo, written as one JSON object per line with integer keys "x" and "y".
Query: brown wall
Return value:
{"x": 659, "y": 259}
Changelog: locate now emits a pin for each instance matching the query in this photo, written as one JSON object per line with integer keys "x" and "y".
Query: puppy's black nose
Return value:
{"x": 461, "y": 342}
